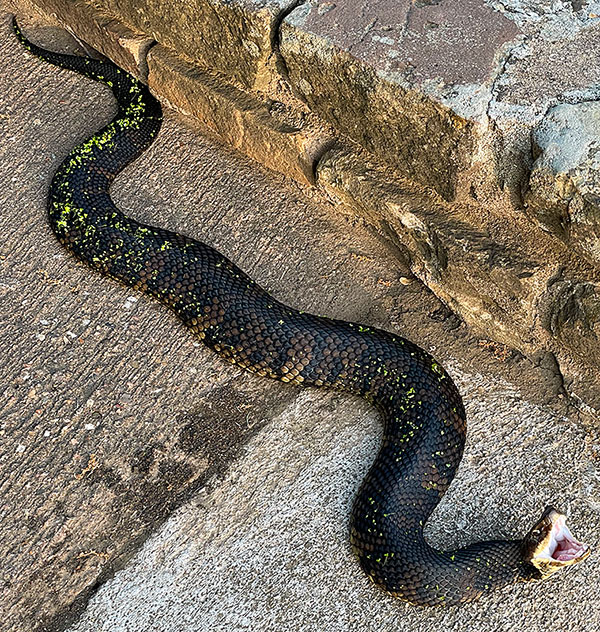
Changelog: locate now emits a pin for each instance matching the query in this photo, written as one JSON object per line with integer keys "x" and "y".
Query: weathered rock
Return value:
{"x": 406, "y": 80}
{"x": 268, "y": 131}
{"x": 564, "y": 191}
{"x": 555, "y": 60}
{"x": 456, "y": 258}
{"x": 126, "y": 47}
{"x": 493, "y": 271}
{"x": 233, "y": 37}
{"x": 569, "y": 309}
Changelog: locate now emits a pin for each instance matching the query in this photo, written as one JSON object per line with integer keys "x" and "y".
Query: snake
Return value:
{"x": 422, "y": 412}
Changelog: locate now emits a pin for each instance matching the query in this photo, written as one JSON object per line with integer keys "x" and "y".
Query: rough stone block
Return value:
{"x": 406, "y": 80}
{"x": 457, "y": 259}
{"x": 266, "y": 131}
{"x": 125, "y": 47}
{"x": 555, "y": 61}
{"x": 504, "y": 279}
{"x": 564, "y": 193}
{"x": 233, "y": 37}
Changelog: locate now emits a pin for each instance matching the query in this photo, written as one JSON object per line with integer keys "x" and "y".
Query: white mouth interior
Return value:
{"x": 562, "y": 547}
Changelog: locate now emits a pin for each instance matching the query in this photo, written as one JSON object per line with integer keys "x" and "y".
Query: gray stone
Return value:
{"x": 564, "y": 191}
{"x": 554, "y": 62}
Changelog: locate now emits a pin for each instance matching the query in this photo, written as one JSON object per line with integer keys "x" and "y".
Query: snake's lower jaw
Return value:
{"x": 550, "y": 545}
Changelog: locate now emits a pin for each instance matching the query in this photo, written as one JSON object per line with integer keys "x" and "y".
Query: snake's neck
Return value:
{"x": 386, "y": 533}
{"x": 415, "y": 572}
{"x": 420, "y": 452}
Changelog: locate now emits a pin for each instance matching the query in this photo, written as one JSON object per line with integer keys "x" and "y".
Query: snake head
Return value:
{"x": 550, "y": 545}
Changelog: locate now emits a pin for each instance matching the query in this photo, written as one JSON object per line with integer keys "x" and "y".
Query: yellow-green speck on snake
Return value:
{"x": 422, "y": 411}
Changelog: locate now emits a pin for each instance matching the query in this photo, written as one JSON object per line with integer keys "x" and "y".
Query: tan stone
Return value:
{"x": 426, "y": 141}
{"x": 125, "y": 47}
{"x": 233, "y": 38}
{"x": 267, "y": 131}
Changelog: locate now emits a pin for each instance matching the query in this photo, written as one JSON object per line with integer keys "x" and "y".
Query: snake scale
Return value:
{"x": 422, "y": 411}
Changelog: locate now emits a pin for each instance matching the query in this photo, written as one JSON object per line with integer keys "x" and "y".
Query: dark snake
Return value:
{"x": 422, "y": 411}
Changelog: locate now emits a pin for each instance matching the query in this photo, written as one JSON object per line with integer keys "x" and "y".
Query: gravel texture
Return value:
{"x": 267, "y": 549}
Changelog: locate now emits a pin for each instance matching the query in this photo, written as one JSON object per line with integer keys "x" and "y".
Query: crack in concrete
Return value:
{"x": 493, "y": 128}
{"x": 411, "y": 8}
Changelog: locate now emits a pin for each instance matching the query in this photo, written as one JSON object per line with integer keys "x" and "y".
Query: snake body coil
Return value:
{"x": 422, "y": 411}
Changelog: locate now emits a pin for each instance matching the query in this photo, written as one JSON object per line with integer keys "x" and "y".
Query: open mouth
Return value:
{"x": 560, "y": 545}
{"x": 551, "y": 544}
